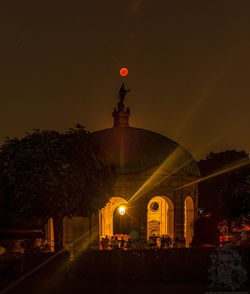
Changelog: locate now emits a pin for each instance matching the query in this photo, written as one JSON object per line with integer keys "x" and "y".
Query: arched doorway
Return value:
{"x": 122, "y": 223}
{"x": 160, "y": 217}
{"x": 189, "y": 219}
{"x": 106, "y": 216}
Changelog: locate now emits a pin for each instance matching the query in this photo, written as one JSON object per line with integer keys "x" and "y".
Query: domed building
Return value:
{"x": 155, "y": 192}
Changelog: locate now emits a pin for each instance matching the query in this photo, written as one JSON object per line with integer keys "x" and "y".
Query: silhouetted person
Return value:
{"x": 116, "y": 243}
{"x": 106, "y": 243}
{"x": 122, "y": 243}
{"x": 111, "y": 245}
{"x": 163, "y": 242}
{"x": 102, "y": 244}
{"x": 176, "y": 242}
{"x": 153, "y": 241}
{"x": 168, "y": 241}
{"x": 46, "y": 248}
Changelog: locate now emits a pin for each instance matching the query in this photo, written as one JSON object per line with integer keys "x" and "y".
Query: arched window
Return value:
{"x": 160, "y": 217}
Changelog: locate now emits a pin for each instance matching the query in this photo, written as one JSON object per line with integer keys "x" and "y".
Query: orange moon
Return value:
{"x": 123, "y": 71}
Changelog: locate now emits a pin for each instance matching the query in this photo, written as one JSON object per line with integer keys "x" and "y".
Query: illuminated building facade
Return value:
{"x": 153, "y": 185}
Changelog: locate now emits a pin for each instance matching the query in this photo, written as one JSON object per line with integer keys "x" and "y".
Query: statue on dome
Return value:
{"x": 122, "y": 93}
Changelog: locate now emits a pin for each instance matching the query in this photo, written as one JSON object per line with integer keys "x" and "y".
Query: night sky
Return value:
{"x": 188, "y": 62}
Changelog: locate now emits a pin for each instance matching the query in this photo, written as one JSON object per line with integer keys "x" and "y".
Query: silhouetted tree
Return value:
{"x": 210, "y": 189}
{"x": 48, "y": 174}
{"x": 235, "y": 199}
{"x": 218, "y": 194}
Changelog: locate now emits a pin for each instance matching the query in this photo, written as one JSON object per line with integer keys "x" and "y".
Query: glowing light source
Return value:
{"x": 123, "y": 71}
{"x": 122, "y": 210}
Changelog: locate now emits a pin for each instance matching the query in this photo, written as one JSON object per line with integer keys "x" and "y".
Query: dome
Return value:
{"x": 134, "y": 150}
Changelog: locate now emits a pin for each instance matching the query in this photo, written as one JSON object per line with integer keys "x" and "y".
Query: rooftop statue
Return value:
{"x": 122, "y": 93}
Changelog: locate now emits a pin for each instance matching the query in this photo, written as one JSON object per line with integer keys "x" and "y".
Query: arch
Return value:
{"x": 160, "y": 217}
{"x": 189, "y": 219}
{"x": 106, "y": 216}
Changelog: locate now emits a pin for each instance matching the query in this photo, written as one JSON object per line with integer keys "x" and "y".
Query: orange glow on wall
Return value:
{"x": 123, "y": 71}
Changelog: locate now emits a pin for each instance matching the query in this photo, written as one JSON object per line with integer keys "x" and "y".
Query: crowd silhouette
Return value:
{"x": 154, "y": 242}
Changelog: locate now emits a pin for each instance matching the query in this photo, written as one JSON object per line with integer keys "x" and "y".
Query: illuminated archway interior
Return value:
{"x": 189, "y": 220}
{"x": 106, "y": 214}
{"x": 160, "y": 217}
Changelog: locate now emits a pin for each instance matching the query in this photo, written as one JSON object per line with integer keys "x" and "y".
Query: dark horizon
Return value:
{"x": 188, "y": 66}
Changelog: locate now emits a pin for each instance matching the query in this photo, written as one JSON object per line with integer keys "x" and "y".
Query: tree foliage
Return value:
{"x": 48, "y": 174}
{"x": 235, "y": 197}
{"x": 227, "y": 195}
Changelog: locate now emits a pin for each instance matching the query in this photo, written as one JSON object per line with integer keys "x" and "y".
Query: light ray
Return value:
{"x": 128, "y": 214}
{"x": 131, "y": 217}
{"x": 217, "y": 173}
{"x": 15, "y": 283}
{"x": 170, "y": 166}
